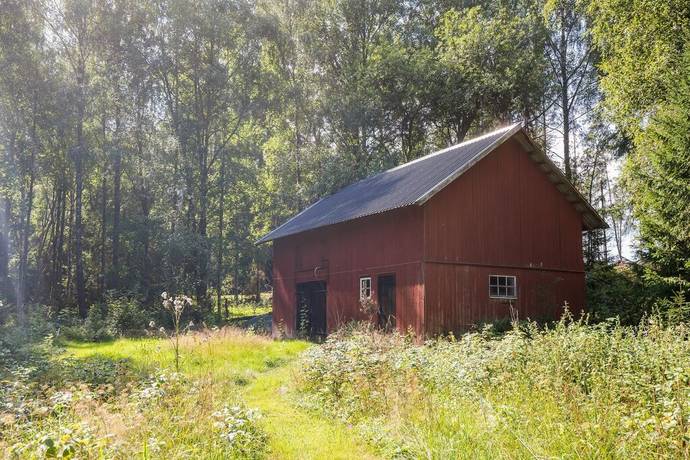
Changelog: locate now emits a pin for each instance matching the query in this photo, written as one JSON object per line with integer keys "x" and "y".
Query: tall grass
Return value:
{"x": 122, "y": 399}
{"x": 572, "y": 390}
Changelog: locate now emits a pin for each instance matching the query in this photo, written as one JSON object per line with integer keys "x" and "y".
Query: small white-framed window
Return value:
{"x": 365, "y": 287}
{"x": 502, "y": 287}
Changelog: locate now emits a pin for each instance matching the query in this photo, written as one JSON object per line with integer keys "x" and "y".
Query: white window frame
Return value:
{"x": 503, "y": 287}
{"x": 364, "y": 286}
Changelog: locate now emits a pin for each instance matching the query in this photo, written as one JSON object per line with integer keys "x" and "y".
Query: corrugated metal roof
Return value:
{"x": 404, "y": 185}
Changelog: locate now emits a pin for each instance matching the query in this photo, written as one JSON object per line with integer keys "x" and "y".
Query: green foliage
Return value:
{"x": 570, "y": 390}
{"x": 494, "y": 55}
{"x": 95, "y": 326}
{"x": 658, "y": 178}
{"x": 616, "y": 291}
{"x": 641, "y": 43}
{"x": 116, "y": 317}
{"x": 240, "y": 429}
{"x": 126, "y": 316}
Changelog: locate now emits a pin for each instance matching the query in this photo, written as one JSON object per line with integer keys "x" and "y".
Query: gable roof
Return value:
{"x": 416, "y": 182}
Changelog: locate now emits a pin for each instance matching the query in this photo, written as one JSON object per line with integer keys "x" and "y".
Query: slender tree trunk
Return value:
{"x": 221, "y": 223}
{"x": 117, "y": 204}
{"x": 257, "y": 296}
{"x": 4, "y": 247}
{"x": 202, "y": 284}
{"x": 79, "y": 192}
{"x": 104, "y": 216}
{"x": 56, "y": 292}
{"x": 80, "y": 282}
{"x": 22, "y": 312}
{"x": 616, "y": 220}
{"x": 565, "y": 99}
{"x": 603, "y": 230}
{"x": 236, "y": 277}
{"x": 69, "y": 257}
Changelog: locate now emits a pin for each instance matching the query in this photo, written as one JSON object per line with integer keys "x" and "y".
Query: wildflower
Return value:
{"x": 152, "y": 324}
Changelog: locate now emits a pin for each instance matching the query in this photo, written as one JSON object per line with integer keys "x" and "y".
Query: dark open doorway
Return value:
{"x": 311, "y": 309}
{"x": 386, "y": 293}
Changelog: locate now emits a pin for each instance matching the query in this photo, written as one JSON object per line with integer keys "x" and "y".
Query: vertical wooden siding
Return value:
{"x": 503, "y": 217}
{"x": 387, "y": 243}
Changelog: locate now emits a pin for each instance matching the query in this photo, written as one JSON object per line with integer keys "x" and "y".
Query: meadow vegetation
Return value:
{"x": 568, "y": 390}
{"x": 571, "y": 390}
{"x": 122, "y": 399}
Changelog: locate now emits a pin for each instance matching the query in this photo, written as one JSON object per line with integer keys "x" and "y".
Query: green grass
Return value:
{"x": 245, "y": 306}
{"x": 570, "y": 391}
{"x": 248, "y": 309}
{"x": 237, "y": 367}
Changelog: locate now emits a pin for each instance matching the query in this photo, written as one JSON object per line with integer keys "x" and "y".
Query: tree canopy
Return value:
{"x": 147, "y": 144}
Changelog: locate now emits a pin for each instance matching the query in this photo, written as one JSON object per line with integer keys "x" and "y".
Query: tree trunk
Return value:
{"x": 202, "y": 284}
{"x": 22, "y": 312}
{"x": 4, "y": 247}
{"x": 117, "y": 205}
{"x": 80, "y": 283}
{"x": 56, "y": 292}
{"x": 104, "y": 216}
{"x": 221, "y": 215}
{"x": 565, "y": 99}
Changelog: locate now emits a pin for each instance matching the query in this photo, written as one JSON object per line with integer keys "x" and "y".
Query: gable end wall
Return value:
{"x": 504, "y": 217}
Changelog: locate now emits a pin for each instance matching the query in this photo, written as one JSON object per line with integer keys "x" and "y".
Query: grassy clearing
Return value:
{"x": 120, "y": 399}
{"x": 245, "y": 306}
{"x": 571, "y": 391}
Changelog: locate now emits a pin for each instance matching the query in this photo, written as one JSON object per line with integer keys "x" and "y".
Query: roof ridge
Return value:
{"x": 447, "y": 149}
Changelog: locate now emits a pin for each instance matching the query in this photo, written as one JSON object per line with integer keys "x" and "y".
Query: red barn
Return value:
{"x": 438, "y": 244}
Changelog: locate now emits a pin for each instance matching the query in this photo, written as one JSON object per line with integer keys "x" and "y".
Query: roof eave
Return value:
{"x": 270, "y": 235}
{"x": 590, "y": 217}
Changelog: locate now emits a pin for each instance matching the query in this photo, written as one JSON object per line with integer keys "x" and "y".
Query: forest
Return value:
{"x": 146, "y": 145}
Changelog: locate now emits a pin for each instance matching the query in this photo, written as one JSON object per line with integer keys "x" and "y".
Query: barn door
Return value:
{"x": 386, "y": 289}
{"x": 311, "y": 309}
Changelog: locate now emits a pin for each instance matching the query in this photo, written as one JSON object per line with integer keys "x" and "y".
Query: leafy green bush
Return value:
{"x": 126, "y": 316}
{"x": 239, "y": 429}
{"x": 629, "y": 292}
{"x": 118, "y": 316}
{"x": 573, "y": 389}
{"x": 95, "y": 326}
{"x": 616, "y": 291}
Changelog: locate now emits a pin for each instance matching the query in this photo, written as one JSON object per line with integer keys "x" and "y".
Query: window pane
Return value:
{"x": 365, "y": 287}
{"x": 493, "y": 291}
{"x": 510, "y": 280}
{"x": 511, "y": 292}
{"x": 502, "y": 281}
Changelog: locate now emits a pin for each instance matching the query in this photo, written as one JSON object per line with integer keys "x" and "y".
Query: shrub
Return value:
{"x": 616, "y": 291}
{"x": 239, "y": 429}
{"x": 95, "y": 326}
{"x": 126, "y": 316}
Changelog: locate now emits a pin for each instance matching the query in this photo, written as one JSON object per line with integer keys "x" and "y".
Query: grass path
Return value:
{"x": 266, "y": 370}
{"x": 296, "y": 433}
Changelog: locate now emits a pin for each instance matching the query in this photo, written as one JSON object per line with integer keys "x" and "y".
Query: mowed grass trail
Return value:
{"x": 252, "y": 369}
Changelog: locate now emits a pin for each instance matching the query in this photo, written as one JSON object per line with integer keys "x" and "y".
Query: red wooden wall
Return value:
{"x": 386, "y": 243}
{"x": 501, "y": 217}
